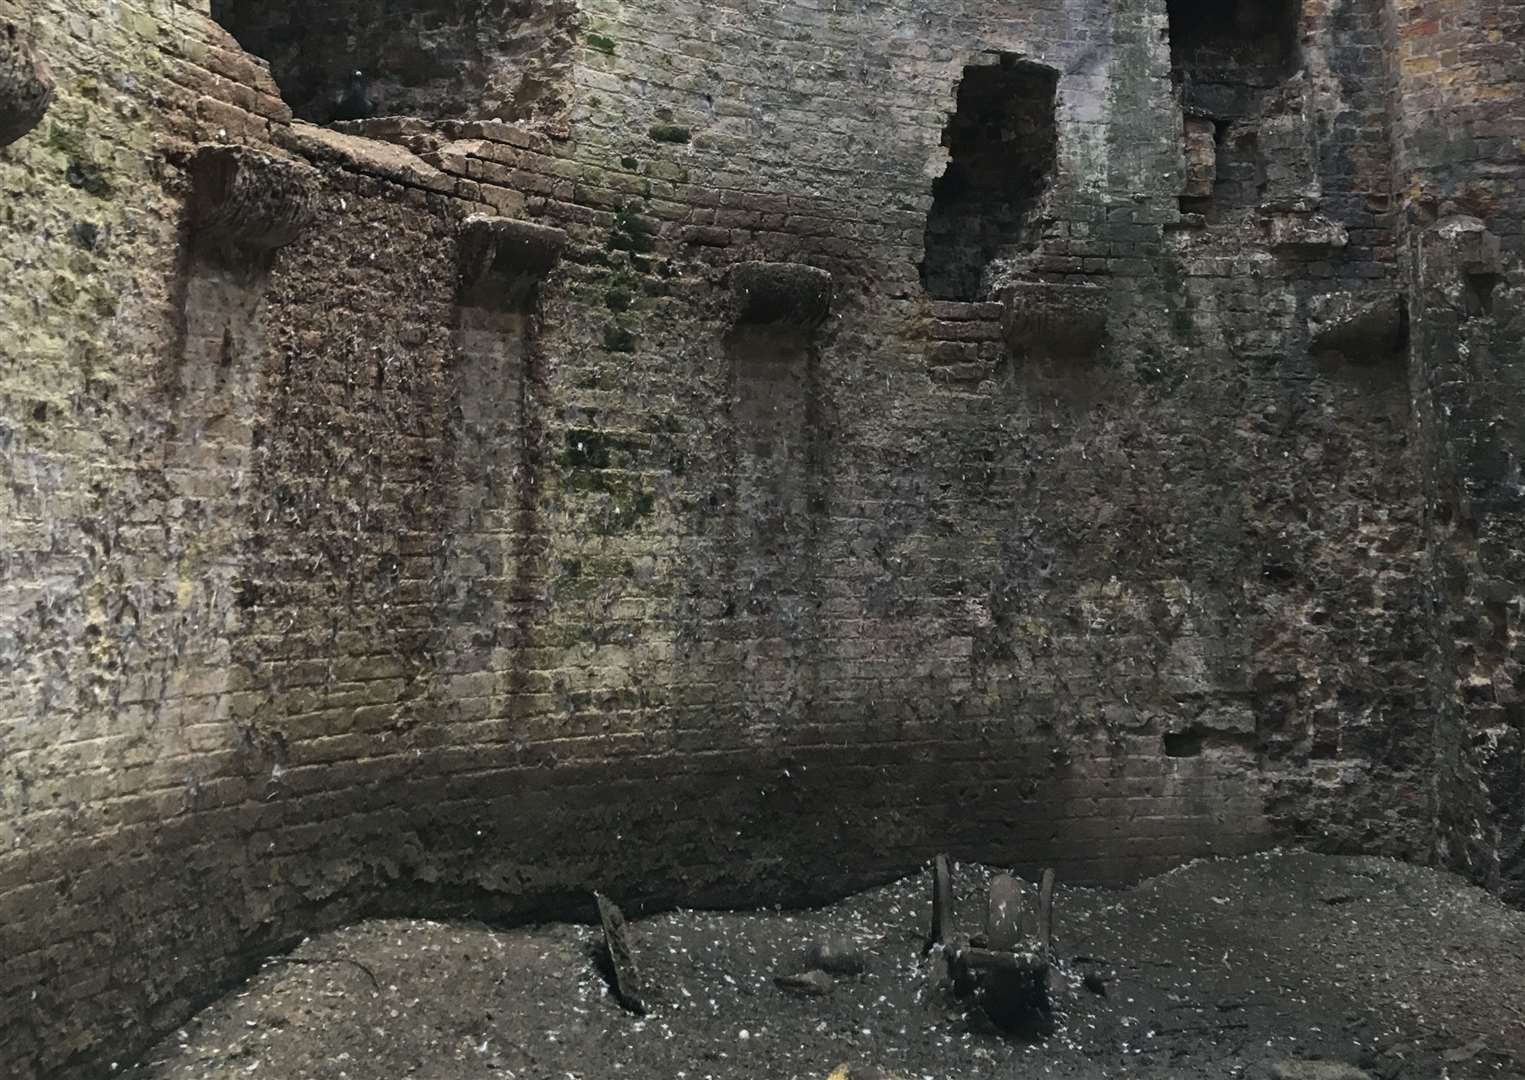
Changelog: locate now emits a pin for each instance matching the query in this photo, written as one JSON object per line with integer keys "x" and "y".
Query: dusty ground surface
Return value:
{"x": 1220, "y": 969}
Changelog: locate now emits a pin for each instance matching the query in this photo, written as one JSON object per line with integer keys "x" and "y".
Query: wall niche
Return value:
{"x": 1230, "y": 60}
{"x": 435, "y": 59}
{"x": 1003, "y": 144}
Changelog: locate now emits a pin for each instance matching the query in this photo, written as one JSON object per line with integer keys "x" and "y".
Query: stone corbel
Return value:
{"x": 1041, "y": 318}
{"x": 780, "y": 294}
{"x": 246, "y": 197}
{"x": 503, "y": 259}
{"x": 26, "y": 85}
{"x": 1464, "y": 261}
{"x": 1356, "y": 325}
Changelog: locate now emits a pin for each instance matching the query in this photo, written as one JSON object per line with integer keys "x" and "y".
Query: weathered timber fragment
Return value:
{"x": 625, "y": 977}
{"x": 771, "y": 293}
{"x": 252, "y": 199}
{"x": 1008, "y": 977}
{"x": 1045, "y": 936}
{"x": 942, "y": 902}
{"x": 1003, "y": 919}
{"x": 1051, "y": 319}
{"x": 502, "y": 259}
{"x": 1014, "y": 963}
{"x": 26, "y": 85}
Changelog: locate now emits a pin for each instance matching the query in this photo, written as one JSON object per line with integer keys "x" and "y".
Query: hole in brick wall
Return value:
{"x": 1003, "y": 142}
{"x": 436, "y": 59}
{"x": 1227, "y": 57}
{"x": 1183, "y": 744}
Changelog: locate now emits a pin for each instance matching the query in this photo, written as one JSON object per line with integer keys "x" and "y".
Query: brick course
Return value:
{"x": 329, "y": 590}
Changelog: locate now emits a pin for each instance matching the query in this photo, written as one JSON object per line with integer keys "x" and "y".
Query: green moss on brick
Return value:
{"x": 670, "y": 133}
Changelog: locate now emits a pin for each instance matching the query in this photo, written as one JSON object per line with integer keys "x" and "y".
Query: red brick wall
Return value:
{"x": 328, "y": 593}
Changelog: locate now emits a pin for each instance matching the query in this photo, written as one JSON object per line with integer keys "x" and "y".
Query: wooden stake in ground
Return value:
{"x": 626, "y": 980}
{"x": 942, "y": 902}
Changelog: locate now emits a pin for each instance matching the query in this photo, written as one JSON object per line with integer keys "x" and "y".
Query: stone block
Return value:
{"x": 780, "y": 293}
{"x": 1201, "y": 148}
{"x": 1045, "y": 318}
{"x": 1356, "y": 324}
{"x": 1460, "y": 246}
{"x": 502, "y": 259}
{"x": 26, "y": 85}
{"x": 1310, "y": 232}
{"x": 246, "y": 197}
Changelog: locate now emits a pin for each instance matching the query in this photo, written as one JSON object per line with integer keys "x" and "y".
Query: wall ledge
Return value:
{"x": 774, "y": 293}
{"x": 1054, "y": 319}
{"x": 506, "y": 257}
{"x": 1356, "y": 325}
{"x": 247, "y": 197}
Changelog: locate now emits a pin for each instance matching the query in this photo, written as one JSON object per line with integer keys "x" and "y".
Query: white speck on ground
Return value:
{"x": 1223, "y": 968}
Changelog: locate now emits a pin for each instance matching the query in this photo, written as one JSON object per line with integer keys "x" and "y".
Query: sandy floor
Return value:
{"x": 1220, "y": 969}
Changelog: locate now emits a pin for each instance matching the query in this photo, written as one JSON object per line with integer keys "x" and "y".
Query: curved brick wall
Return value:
{"x": 333, "y": 588}
{"x": 1459, "y": 154}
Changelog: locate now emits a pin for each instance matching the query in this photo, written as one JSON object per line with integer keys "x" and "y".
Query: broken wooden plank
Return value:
{"x": 626, "y": 980}
{"x": 1046, "y": 914}
{"x": 1003, "y": 916}
{"x": 1013, "y": 963}
{"x": 942, "y": 902}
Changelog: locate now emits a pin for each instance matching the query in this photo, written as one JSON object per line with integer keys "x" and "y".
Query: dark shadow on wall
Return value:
{"x": 437, "y": 59}
{"x": 1002, "y": 143}
{"x": 1227, "y": 59}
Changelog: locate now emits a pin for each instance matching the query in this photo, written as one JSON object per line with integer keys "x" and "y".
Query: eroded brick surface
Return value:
{"x": 345, "y": 577}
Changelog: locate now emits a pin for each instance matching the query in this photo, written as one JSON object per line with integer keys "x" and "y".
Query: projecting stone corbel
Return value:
{"x": 1461, "y": 246}
{"x": 1355, "y": 325}
{"x": 1041, "y": 318}
{"x": 781, "y": 294}
{"x": 503, "y": 259}
{"x": 245, "y": 197}
{"x": 26, "y": 85}
{"x": 1461, "y": 259}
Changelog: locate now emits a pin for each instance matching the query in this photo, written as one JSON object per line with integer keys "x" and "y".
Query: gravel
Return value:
{"x": 1223, "y": 968}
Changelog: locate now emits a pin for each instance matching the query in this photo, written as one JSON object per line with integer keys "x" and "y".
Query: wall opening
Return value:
{"x": 1003, "y": 142}
{"x": 436, "y": 59}
{"x": 1233, "y": 45}
{"x": 1227, "y": 58}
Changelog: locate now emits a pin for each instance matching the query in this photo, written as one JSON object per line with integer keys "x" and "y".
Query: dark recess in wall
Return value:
{"x": 1227, "y": 59}
{"x": 437, "y": 59}
{"x": 1003, "y": 142}
{"x": 1233, "y": 42}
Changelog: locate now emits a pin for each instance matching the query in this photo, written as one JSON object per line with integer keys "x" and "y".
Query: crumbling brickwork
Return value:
{"x": 363, "y": 552}
{"x": 1459, "y": 159}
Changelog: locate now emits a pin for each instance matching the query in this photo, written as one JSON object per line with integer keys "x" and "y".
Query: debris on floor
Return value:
{"x": 1223, "y": 969}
